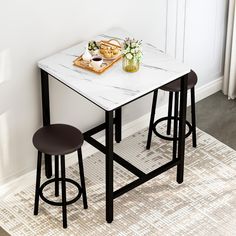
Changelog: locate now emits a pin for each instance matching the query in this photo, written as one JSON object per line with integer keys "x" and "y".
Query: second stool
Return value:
{"x": 174, "y": 88}
{"x": 58, "y": 140}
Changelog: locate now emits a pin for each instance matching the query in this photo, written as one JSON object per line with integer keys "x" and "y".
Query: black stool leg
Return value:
{"x": 63, "y": 184}
{"x": 154, "y": 102}
{"x": 81, "y": 169}
{"x": 175, "y": 138}
{"x": 194, "y": 136}
{"x": 169, "y": 113}
{"x": 56, "y": 176}
{"x": 38, "y": 176}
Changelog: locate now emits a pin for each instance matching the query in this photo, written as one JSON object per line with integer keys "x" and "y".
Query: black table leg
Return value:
{"x": 152, "y": 117}
{"x": 182, "y": 124}
{"x": 118, "y": 125}
{"x": 46, "y": 116}
{"x": 109, "y": 166}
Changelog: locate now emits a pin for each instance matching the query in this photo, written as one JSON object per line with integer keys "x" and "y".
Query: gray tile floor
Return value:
{"x": 216, "y": 115}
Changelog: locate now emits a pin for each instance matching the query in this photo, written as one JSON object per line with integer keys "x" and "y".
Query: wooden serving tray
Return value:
{"x": 107, "y": 62}
{"x": 86, "y": 65}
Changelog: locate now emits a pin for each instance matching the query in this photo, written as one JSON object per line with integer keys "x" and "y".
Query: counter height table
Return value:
{"x": 110, "y": 91}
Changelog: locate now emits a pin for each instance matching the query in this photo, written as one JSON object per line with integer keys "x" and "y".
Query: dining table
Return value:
{"x": 111, "y": 91}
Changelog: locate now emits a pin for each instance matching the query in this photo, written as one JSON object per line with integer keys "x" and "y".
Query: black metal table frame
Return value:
{"x": 108, "y": 148}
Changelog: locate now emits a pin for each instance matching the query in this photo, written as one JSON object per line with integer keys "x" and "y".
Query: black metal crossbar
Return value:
{"x": 99, "y": 128}
{"x": 145, "y": 178}
{"x": 95, "y": 130}
{"x": 142, "y": 177}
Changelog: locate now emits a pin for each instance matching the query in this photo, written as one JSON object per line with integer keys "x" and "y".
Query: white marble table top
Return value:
{"x": 114, "y": 87}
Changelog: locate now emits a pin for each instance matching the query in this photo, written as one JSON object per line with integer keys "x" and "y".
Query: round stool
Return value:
{"x": 58, "y": 140}
{"x": 174, "y": 88}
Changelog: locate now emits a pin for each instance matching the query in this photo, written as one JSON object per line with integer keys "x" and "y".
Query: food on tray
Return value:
{"x": 99, "y": 56}
{"x": 109, "y": 50}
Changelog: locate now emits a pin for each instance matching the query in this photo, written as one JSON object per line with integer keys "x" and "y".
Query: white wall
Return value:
{"x": 205, "y": 37}
{"x": 190, "y": 30}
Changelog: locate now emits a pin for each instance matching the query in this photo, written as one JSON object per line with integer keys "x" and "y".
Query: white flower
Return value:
{"x": 132, "y": 51}
{"x": 139, "y": 54}
{"x": 132, "y": 48}
{"x": 129, "y": 56}
{"x": 125, "y": 51}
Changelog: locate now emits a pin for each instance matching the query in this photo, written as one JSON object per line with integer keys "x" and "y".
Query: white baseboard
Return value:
{"x": 209, "y": 89}
{"x": 128, "y": 129}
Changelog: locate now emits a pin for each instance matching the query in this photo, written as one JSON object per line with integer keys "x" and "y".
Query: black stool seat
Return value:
{"x": 175, "y": 86}
{"x": 58, "y": 139}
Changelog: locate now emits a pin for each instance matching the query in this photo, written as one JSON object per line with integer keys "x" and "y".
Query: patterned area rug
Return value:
{"x": 205, "y": 204}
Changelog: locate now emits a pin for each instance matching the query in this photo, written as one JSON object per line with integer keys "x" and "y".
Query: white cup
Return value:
{"x": 96, "y": 62}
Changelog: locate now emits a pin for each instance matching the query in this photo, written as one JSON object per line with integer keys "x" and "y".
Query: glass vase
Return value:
{"x": 131, "y": 65}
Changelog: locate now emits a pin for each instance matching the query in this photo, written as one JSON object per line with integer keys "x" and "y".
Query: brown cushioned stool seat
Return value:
{"x": 58, "y": 139}
{"x": 175, "y": 86}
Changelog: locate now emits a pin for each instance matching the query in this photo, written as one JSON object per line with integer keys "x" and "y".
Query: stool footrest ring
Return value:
{"x": 167, "y": 137}
{"x": 59, "y": 203}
